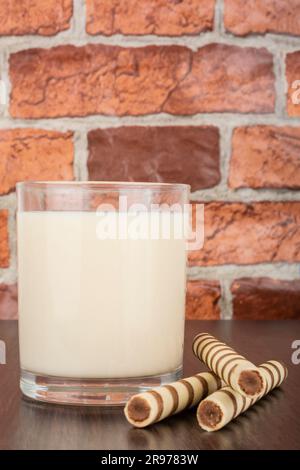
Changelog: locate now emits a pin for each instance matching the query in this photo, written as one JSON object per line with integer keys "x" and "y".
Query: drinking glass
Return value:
{"x": 102, "y": 280}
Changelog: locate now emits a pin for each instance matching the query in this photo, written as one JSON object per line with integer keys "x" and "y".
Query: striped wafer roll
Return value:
{"x": 225, "y": 404}
{"x": 157, "y": 404}
{"x": 234, "y": 369}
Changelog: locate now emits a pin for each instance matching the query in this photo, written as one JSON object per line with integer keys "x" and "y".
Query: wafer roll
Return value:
{"x": 234, "y": 369}
{"x": 157, "y": 404}
{"x": 225, "y": 404}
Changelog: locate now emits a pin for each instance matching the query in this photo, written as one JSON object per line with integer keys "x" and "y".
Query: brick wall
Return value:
{"x": 194, "y": 91}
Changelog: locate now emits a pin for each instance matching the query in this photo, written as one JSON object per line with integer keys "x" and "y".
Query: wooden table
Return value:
{"x": 274, "y": 423}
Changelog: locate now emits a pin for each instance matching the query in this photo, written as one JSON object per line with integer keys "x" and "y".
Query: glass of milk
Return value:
{"x": 102, "y": 279}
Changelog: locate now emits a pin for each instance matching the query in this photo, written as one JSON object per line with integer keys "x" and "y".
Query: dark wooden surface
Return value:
{"x": 273, "y": 423}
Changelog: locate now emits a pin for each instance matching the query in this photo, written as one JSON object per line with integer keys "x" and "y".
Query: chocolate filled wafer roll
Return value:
{"x": 225, "y": 404}
{"x": 157, "y": 404}
{"x": 234, "y": 369}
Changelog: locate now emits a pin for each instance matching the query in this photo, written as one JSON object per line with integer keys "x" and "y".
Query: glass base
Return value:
{"x": 95, "y": 392}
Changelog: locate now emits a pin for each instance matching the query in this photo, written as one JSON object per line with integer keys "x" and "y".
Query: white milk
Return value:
{"x": 95, "y": 308}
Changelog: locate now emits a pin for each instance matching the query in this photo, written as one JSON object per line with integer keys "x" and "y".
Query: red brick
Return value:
{"x": 265, "y": 299}
{"x": 293, "y": 81}
{"x": 138, "y": 81}
{"x": 265, "y": 157}
{"x": 163, "y": 154}
{"x": 34, "y": 154}
{"x": 202, "y": 300}
{"x": 4, "y": 245}
{"x": 44, "y": 17}
{"x": 225, "y": 78}
{"x": 8, "y": 302}
{"x": 238, "y": 233}
{"x": 160, "y": 17}
{"x": 260, "y": 17}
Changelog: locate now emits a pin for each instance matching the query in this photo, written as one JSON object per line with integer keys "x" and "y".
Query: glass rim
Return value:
{"x": 103, "y": 185}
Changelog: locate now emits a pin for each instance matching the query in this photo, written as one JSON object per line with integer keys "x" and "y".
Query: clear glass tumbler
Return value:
{"x": 102, "y": 279}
